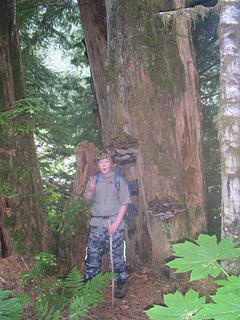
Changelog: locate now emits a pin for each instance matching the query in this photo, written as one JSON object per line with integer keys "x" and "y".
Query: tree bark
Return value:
{"x": 149, "y": 89}
{"x": 229, "y": 122}
{"x": 93, "y": 18}
{"x": 24, "y": 226}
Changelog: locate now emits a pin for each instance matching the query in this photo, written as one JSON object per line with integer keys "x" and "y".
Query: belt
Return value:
{"x": 103, "y": 217}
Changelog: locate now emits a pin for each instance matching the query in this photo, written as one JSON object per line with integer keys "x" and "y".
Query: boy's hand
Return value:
{"x": 92, "y": 183}
{"x": 113, "y": 228}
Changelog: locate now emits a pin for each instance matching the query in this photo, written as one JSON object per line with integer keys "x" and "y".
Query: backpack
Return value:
{"x": 132, "y": 188}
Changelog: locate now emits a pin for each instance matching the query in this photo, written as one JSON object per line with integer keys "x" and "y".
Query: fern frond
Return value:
{"x": 48, "y": 307}
{"x": 52, "y": 301}
{"x": 40, "y": 308}
{"x": 74, "y": 282}
{"x": 10, "y": 308}
{"x": 93, "y": 290}
{"x": 79, "y": 307}
{"x": 87, "y": 295}
{"x": 98, "y": 283}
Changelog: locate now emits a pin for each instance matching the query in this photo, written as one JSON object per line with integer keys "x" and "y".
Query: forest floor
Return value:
{"x": 144, "y": 290}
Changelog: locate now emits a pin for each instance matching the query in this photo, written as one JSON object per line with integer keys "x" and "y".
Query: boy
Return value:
{"x": 109, "y": 208}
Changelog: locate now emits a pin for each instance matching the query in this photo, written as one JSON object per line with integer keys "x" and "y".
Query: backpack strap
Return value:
{"x": 117, "y": 180}
{"x": 97, "y": 176}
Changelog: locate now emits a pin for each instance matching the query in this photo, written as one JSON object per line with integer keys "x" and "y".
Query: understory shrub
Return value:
{"x": 55, "y": 297}
{"x": 44, "y": 264}
{"x": 202, "y": 258}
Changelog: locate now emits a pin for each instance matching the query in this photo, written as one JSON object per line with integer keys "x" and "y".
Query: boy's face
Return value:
{"x": 105, "y": 166}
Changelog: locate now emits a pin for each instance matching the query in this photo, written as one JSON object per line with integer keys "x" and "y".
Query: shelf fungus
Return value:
{"x": 164, "y": 208}
{"x": 124, "y": 149}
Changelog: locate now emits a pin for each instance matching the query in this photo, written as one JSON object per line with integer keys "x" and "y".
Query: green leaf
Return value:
{"x": 226, "y": 307}
{"x": 50, "y": 301}
{"x": 202, "y": 257}
{"x": 229, "y": 285}
{"x": 78, "y": 307}
{"x": 5, "y": 294}
{"x": 93, "y": 290}
{"x": 24, "y": 298}
{"x": 178, "y": 307}
{"x": 227, "y": 248}
{"x": 74, "y": 281}
{"x": 10, "y": 308}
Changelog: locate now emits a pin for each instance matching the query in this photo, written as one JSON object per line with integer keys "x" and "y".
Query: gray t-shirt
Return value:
{"x": 107, "y": 200}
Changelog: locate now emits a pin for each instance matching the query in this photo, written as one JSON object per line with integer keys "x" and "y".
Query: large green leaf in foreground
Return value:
{"x": 226, "y": 307}
{"x": 229, "y": 285}
{"x": 202, "y": 257}
{"x": 178, "y": 307}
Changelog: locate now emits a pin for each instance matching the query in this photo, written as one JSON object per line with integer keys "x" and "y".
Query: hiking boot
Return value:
{"x": 121, "y": 289}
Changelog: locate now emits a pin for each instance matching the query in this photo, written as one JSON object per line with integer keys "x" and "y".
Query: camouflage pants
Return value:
{"x": 98, "y": 241}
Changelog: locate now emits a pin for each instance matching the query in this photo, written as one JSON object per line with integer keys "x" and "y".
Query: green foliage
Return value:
{"x": 78, "y": 307}
{"x": 67, "y": 120}
{"x": 55, "y": 196}
{"x": 21, "y": 117}
{"x": 205, "y": 40}
{"x": 229, "y": 285}
{"x": 55, "y": 296}
{"x": 45, "y": 22}
{"x": 92, "y": 290}
{"x": 178, "y": 307}
{"x": 74, "y": 282}
{"x": 67, "y": 218}
{"x": 68, "y": 115}
{"x": 46, "y": 313}
{"x": 71, "y": 294}
{"x": 51, "y": 299}
{"x": 68, "y": 221}
{"x": 226, "y": 307}
{"x": 11, "y": 308}
{"x": 45, "y": 264}
{"x": 85, "y": 295}
{"x": 203, "y": 259}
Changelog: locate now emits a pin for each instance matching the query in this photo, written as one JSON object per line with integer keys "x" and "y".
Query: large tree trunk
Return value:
{"x": 229, "y": 122}
{"x": 148, "y": 89}
{"x": 24, "y": 226}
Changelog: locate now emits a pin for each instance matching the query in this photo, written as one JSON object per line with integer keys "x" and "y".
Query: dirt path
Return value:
{"x": 144, "y": 291}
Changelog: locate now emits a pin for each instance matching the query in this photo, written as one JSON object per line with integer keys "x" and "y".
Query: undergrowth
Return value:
{"x": 71, "y": 297}
{"x": 53, "y": 297}
{"x": 202, "y": 259}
